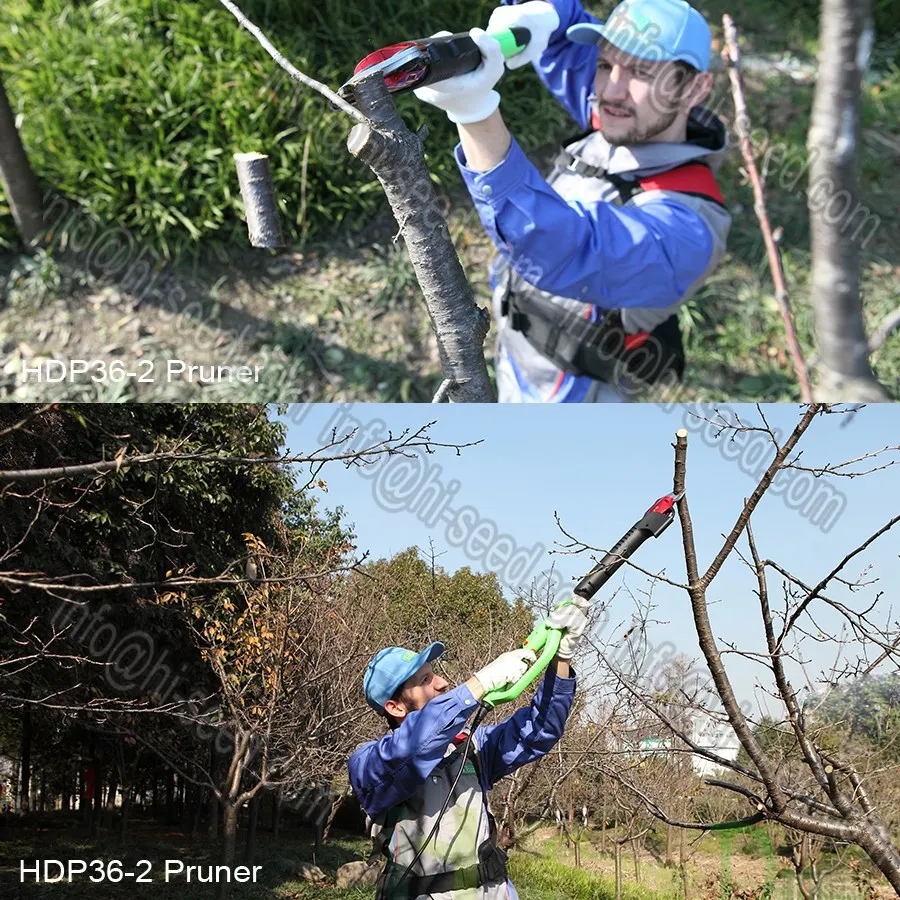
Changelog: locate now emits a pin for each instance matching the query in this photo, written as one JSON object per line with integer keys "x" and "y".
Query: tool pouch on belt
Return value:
{"x": 601, "y": 350}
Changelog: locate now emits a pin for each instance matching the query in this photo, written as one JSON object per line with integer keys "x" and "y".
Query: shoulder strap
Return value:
{"x": 695, "y": 179}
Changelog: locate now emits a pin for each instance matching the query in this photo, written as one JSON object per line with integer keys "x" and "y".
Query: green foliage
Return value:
{"x": 416, "y": 603}
{"x": 134, "y": 109}
{"x": 145, "y": 520}
{"x": 867, "y": 712}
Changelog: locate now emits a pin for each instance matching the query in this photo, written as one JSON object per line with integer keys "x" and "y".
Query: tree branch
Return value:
{"x": 732, "y": 59}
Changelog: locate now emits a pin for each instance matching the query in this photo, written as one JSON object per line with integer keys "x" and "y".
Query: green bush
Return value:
{"x": 134, "y": 108}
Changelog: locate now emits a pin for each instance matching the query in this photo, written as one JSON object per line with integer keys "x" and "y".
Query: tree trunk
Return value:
{"x": 670, "y": 831}
{"x": 229, "y": 819}
{"x": 577, "y": 854}
{"x": 618, "y": 854}
{"x": 683, "y": 864}
{"x": 877, "y": 844}
{"x": 17, "y": 176}
{"x": 395, "y": 156}
{"x": 276, "y": 813}
{"x": 637, "y": 860}
{"x": 603, "y": 827}
{"x": 25, "y": 772}
{"x": 170, "y": 796}
{"x": 844, "y": 37}
{"x": 97, "y": 810}
{"x": 110, "y": 815}
{"x": 198, "y": 798}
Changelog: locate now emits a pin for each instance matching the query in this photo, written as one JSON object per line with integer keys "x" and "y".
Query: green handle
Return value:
{"x": 544, "y": 639}
{"x": 512, "y": 40}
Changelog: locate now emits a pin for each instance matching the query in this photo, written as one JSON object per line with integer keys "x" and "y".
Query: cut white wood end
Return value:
{"x": 258, "y": 194}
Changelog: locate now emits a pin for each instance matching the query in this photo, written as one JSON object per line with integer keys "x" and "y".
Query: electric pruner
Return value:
{"x": 413, "y": 64}
{"x": 544, "y": 640}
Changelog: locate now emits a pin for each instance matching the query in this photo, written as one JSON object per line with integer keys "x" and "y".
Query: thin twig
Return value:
{"x": 732, "y": 59}
{"x": 888, "y": 324}
{"x": 302, "y": 215}
{"x": 443, "y": 392}
{"x": 294, "y": 72}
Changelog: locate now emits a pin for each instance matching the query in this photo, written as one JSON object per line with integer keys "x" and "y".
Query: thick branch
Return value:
{"x": 697, "y": 592}
{"x": 395, "y": 155}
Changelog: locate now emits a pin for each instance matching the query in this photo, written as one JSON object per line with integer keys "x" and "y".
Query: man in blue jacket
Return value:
{"x": 595, "y": 259}
{"x": 424, "y": 785}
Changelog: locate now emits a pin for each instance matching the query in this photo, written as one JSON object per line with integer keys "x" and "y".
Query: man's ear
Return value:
{"x": 396, "y": 709}
{"x": 698, "y": 90}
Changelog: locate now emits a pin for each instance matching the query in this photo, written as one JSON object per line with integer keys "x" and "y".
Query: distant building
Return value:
{"x": 713, "y": 735}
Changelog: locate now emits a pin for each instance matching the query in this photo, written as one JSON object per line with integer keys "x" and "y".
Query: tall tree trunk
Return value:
{"x": 170, "y": 796}
{"x": 637, "y": 860}
{"x": 197, "y": 797}
{"x": 17, "y": 176}
{"x": 618, "y": 854}
{"x": 97, "y": 810}
{"x": 276, "y": 813}
{"x": 25, "y": 770}
{"x": 844, "y": 38}
{"x": 670, "y": 832}
{"x": 603, "y": 826}
{"x": 229, "y": 820}
{"x": 110, "y": 815}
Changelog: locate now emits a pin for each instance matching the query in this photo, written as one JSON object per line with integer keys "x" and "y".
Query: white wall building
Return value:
{"x": 716, "y": 736}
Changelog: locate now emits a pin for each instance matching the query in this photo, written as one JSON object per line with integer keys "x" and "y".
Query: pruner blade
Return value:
{"x": 403, "y": 59}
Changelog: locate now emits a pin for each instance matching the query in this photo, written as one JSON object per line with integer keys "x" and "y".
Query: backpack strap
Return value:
{"x": 694, "y": 179}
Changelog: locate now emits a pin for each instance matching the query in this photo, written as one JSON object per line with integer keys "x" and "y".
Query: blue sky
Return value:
{"x": 600, "y": 468}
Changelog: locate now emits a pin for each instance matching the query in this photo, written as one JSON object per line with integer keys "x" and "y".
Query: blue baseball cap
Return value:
{"x": 389, "y": 668}
{"x": 657, "y": 30}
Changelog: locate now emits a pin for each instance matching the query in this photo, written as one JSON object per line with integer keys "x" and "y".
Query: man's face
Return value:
{"x": 418, "y": 689}
{"x": 641, "y": 101}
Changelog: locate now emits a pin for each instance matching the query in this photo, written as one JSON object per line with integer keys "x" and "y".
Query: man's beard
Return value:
{"x": 639, "y": 134}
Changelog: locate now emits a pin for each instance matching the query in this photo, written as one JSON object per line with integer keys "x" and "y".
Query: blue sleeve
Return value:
{"x": 612, "y": 256}
{"x": 529, "y": 733}
{"x": 386, "y": 772}
{"x": 568, "y": 69}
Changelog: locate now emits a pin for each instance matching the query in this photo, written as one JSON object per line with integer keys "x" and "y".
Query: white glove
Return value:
{"x": 506, "y": 669}
{"x": 539, "y": 17}
{"x": 573, "y": 618}
{"x": 470, "y": 97}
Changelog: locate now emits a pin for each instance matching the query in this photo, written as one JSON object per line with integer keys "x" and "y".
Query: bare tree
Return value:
{"x": 846, "y": 33}
{"x": 17, "y": 177}
{"x": 827, "y": 790}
